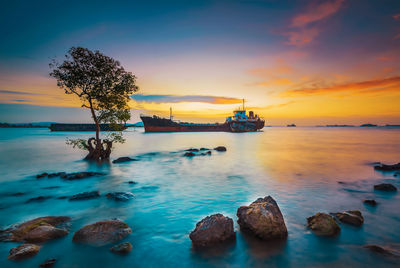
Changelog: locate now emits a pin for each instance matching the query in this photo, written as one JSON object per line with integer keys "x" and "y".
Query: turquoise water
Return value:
{"x": 299, "y": 167}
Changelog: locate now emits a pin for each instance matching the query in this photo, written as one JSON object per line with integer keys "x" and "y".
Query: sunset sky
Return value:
{"x": 303, "y": 62}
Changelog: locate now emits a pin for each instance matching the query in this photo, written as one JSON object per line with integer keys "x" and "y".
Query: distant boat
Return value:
{"x": 291, "y": 125}
{"x": 368, "y": 125}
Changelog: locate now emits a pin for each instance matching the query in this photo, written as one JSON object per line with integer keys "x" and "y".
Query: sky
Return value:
{"x": 304, "y": 62}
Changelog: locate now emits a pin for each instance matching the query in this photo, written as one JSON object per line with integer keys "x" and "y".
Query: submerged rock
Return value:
{"x": 387, "y": 187}
{"x": 37, "y": 230}
{"x": 383, "y": 250}
{"x": 220, "y": 149}
{"x": 120, "y": 196}
{"x": 212, "y": 229}
{"x": 38, "y": 176}
{"x": 123, "y": 248}
{"x": 383, "y": 167}
{"x": 48, "y": 263}
{"x": 85, "y": 195}
{"x": 204, "y": 149}
{"x": 353, "y": 217}
{"x": 192, "y": 150}
{"x": 189, "y": 154}
{"x": 38, "y": 199}
{"x": 123, "y": 159}
{"x": 263, "y": 218}
{"x": 80, "y": 175}
{"x": 206, "y": 153}
{"x": 370, "y": 202}
{"x": 23, "y": 251}
{"x": 323, "y": 224}
{"x": 132, "y": 182}
{"x": 102, "y": 233}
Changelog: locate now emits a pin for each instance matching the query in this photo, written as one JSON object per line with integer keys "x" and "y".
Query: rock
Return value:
{"x": 48, "y": 263}
{"x": 189, "y": 154}
{"x": 220, "y": 149}
{"x": 387, "y": 187}
{"x": 207, "y": 153}
{"x": 51, "y": 187}
{"x": 23, "y": 251}
{"x": 38, "y": 199}
{"x": 353, "y": 217}
{"x": 212, "y": 229}
{"x": 120, "y": 196}
{"x": 192, "y": 150}
{"x": 383, "y": 167}
{"x": 370, "y": 202}
{"x": 62, "y": 197}
{"x": 17, "y": 194}
{"x": 58, "y": 174}
{"x": 204, "y": 149}
{"x": 37, "y": 230}
{"x": 80, "y": 175}
{"x": 123, "y": 159}
{"x": 132, "y": 182}
{"x": 38, "y": 176}
{"x": 123, "y": 248}
{"x": 383, "y": 250}
{"x": 323, "y": 224}
{"x": 397, "y": 174}
{"x": 102, "y": 233}
{"x": 85, "y": 196}
{"x": 263, "y": 218}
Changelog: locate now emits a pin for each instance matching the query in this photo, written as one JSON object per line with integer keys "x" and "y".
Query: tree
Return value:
{"x": 104, "y": 87}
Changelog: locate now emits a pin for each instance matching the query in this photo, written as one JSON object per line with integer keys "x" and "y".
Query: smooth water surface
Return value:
{"x": 299, "y": 167}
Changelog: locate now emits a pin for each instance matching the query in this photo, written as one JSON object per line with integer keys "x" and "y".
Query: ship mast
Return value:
{"x": 170, "y": 113}
{"x": 243, "y": 104}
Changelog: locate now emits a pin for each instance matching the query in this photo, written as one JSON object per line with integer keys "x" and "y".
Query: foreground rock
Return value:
{"x": 212, "y": 229}
{"x": 189, "y": 154}
{"x": 123, "y": 159}
{"x": 383, "y": 167}
{"x": 69, "y": 176}
{"x": 23, "y": 251}
{"x": 353, "y": 217}
{"x": 120, "y": 196}
{"x": 38, "y": 199}
{"x": 370, "y": 202}
{"x": 220, "y": 149}
{"x": 387, "y": 187}
{"x": 383, "y": 250}
{"x": 85, "y": 196}
{"x": 37, "y": 230}
{"x": 48, "y": 263}
{"x": 102, "y": 233}
{"x": 323, "y": 224}
{"x": 263, "y": 218}
{"x": 123, "y": 248}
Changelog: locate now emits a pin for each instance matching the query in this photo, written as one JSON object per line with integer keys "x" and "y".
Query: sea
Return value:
{"x": 305, "y": 169}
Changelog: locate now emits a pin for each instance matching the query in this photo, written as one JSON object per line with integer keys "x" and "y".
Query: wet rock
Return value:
{"x": 85, "y": 196}
{"x": 370, "y": 202}
{"x": 23, "y": 251}
{"x": 41, "y": 229}
{"x": 207, "y": 153}
{"x": 123, "y": 159}
{"x": 102, "y": 233}
{"x": 353, "y": 217}
{"x": 51, "y": 187}
{"x": 132, "y": 182}
{"x": 42, "y": 175}
{"x": 38, "y": 199}
{"x": 383, "y": 250}
{"x": 58, "y": 174}
{"x": 323, "y": 224}
{"x": 48, "y": 263}
{"x": 212, "y": 229}
{"x": 263, "y": 218}
{"x": 120, "y": 196}
{"x": 220, "y": 149}
{"x": 17, "y": 194}
{"x": 383, "y": 167}
{"x": 192, "y": 150}
{"x": 189, "y": 154}
{"x": 123, "y": 248}
{"x": 397, "y": 174}
{"x": 80, "y": 175}
{"x": 204, "y": 149}
{"x": 62, "y": 197}
{"x": 387, "y": 187}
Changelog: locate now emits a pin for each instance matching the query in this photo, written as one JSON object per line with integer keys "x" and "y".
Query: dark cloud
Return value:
{"x": 14, "y": 92}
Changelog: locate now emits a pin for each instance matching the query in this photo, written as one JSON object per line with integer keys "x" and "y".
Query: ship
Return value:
{"x": 239, "y": 122}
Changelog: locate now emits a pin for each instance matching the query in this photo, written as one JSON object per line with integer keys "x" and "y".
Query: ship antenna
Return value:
{"x": 243, "y": 104}
{"x": 170, "y": 113}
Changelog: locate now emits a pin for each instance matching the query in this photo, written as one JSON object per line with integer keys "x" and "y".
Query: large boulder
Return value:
{"x": 220, "y": 149}
{"x": 212, "y": 229}
{"x": 263, "y": 218}
{"x": 23, "y": 251}
{"x": 323, "y": 224}
{"x": 120, "y": 196}
{"x": 123, "y": 159}
{"x": 102, "y": 233}
{"x": 386, "y": 187}
{"x": 122, "y": 248}
{"x": 85, "y": 196}
{"x": 37, "y": 230}
{"x": 353, "y": 217}
{"x": 370, "y": 202}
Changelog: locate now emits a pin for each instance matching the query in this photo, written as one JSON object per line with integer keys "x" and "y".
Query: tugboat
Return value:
{"x": 239, "y": 122}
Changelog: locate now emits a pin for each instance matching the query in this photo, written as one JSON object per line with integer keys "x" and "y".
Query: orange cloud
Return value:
{"x": 317, "y": 12}
{"x": 279, "y": 81}
{"x": 384, "y": 58}
{"x": 371, "y": 86}
{"x": 305, "y": 25}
